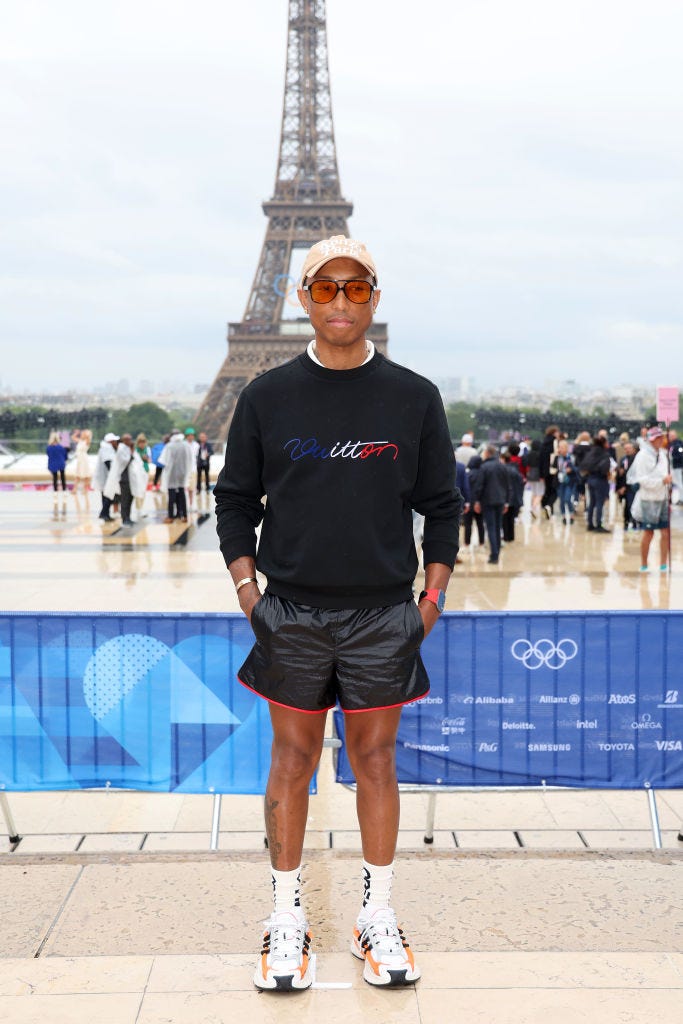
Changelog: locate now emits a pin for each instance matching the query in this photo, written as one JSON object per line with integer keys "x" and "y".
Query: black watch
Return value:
{"x": 437, "y": 597}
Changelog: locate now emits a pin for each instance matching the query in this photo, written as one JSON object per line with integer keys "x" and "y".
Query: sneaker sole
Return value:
{"x": 388, "y": 977}
{"x": 289, "y": 982}
{"x": 282, "y": 982}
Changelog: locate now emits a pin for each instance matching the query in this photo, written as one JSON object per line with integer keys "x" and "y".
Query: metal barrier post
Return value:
{"x": 654, "y": 817}
{"x": 216, "y": 820}
{"x": 429, "y": 823}
{"x": 14, "y": 836}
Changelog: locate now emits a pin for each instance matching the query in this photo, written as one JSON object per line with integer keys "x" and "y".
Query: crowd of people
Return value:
{"x": 562, "y": 476}
{"x": 124, "y": 466}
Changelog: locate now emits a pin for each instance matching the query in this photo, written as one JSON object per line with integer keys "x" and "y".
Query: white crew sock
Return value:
{"x": 377, "y": 880}
{"x": 286, "y": 889}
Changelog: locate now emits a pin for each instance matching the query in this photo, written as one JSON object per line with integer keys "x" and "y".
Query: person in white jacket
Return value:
{"x": 177, "y": 461}
{"x": 105, "y": 457}
{"x": 650, "y": 508}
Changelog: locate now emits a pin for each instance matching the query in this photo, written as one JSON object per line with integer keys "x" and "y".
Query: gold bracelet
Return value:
{"x": 243, "y": 583}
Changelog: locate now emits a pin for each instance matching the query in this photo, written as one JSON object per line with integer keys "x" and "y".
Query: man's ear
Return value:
{"x": 301, "y": 295}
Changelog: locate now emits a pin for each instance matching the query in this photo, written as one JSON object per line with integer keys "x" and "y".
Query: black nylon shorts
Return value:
{"x": 310, "y": 659}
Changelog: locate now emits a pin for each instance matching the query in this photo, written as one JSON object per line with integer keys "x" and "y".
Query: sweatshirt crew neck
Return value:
{"x": 356, "y": 373}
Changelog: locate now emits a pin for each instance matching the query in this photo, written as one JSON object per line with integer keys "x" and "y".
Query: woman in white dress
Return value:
{"x": 83, "y": 471}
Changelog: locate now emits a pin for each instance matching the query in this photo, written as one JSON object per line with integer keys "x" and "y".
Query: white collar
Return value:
{"x": 311, "y": 352}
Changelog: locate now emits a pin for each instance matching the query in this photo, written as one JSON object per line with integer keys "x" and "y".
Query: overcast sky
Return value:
{"x": 516, "y": 168}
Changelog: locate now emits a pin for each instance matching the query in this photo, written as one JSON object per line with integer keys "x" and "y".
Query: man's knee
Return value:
{"x": 294, "y": 761}
{"x": 375, "y": 765}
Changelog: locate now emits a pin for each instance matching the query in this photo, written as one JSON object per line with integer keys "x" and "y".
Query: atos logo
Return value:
{"x": 544, "y": 652}
{"x": 669, "y": 745}
{"x": 622, "y": 698}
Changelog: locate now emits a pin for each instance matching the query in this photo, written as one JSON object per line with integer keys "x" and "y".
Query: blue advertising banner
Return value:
{"x": 148, "y": 702}
{"x": 589, "y": 700}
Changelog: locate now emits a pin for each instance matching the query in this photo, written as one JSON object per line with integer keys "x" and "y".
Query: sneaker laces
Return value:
{"x": 287, "y": 937}
{"x": 383, "y": 933}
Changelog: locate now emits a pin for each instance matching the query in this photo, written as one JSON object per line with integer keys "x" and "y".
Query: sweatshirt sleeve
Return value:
{"x": 239, "y": 488}
{"x": 435, "y": 495}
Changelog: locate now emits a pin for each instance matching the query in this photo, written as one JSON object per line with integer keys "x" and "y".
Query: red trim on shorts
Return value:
{"x": 303, "y": 711}
{"x": 386, "y": 707}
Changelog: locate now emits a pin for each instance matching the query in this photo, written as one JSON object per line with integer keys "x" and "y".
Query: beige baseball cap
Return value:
{"x": 331, "y": 249}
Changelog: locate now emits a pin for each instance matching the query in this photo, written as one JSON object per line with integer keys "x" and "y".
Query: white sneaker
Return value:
{"x": 378, "y": 940}
{"x": 284, "y": 962}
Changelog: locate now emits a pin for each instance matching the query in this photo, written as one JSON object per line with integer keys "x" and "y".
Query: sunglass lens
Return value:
{"x": 323, "y": 291}
{"x": 358, "y": 291}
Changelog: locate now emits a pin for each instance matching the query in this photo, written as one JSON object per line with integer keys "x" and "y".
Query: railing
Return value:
{"x": 518, "y": 700}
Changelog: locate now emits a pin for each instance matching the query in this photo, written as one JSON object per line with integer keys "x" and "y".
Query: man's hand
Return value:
{"x": 429, "y": 613}
{"x": 248, "y": 596}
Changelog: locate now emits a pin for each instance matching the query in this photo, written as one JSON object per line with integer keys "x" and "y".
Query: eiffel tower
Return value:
{"x": 307, "y": 205}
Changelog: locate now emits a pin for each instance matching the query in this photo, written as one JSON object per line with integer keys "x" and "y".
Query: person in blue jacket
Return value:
{"x": 56, "y": 460}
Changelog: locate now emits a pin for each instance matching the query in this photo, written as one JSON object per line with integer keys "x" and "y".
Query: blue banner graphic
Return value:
{"x": 589, "y": 700}
{"x": 152, "y": 702}
{"x": 148, "y": 702}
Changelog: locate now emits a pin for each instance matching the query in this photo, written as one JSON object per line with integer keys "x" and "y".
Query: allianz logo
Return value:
{"x": 545, "y": 652}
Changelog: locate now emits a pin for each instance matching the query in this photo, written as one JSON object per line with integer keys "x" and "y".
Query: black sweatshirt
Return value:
{"x": 342, "y": 457}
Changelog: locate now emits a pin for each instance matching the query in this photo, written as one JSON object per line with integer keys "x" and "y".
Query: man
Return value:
{"x": 343, "y": 444}
{"x": 177, "y": 461}
{"x": 492, "y": 493}
{"x": 464, "y": 452}
{"x": 650, "y": 508}
{"x": 105, "y": 457}
{"x": 596, "y": 467}
{"x": 626, "y": 492}
{"x": 204, "y": 454}
{"x": 545, "y": 468}
{"x": 118, "y": 480}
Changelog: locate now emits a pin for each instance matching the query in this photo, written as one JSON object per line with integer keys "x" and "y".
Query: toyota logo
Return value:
{"x": 544, "y": 652}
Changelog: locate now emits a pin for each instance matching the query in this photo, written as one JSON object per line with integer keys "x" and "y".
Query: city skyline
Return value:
{"x": 516, "y": 175}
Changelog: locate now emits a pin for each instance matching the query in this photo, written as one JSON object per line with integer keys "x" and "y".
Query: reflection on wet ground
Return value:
{"x": 57, "y": 555}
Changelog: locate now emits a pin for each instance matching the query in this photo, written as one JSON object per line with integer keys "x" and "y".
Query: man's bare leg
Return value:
{"x": 371, "y": 749}
{"x": 297, "y": 745}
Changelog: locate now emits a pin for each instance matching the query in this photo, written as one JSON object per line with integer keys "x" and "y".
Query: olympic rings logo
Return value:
{"x": 285, "y": 286}
{"x": 544, "y": 652}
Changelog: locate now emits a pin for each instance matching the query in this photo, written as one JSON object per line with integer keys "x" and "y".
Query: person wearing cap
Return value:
{"x": 105, "y": 457}
{"x": 464, "y": 452}
{"x": 343, "y": 444}
{"x": 119, "y": 480}
{"x": 650, "y": 508}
